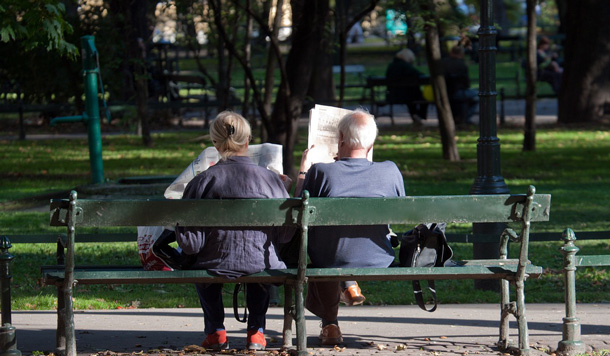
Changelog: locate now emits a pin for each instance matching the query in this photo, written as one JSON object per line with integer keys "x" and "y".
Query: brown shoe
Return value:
{"x": 352, "y": 296}
{"x": 331, "y": 335}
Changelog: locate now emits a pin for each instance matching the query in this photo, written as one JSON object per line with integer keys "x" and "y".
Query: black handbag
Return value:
{"x": 425, "y": 246}
{"x": 169, "y": 255}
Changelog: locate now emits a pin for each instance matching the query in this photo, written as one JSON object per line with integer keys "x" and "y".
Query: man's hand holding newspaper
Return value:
{"x": 323, "y": 138}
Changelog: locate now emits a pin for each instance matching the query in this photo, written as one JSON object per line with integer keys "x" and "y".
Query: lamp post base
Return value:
{"x": 8, "y": 341}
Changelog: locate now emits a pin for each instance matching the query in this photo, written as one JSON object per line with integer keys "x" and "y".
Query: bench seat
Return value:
{"x": 494, "y": 269}
{"x": 53, "y": 275}
{"x": 476, "y": 269}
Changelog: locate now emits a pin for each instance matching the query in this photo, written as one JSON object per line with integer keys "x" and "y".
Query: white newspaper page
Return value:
{"x": 266, "y": 155}
{"x": 324, "y": 133}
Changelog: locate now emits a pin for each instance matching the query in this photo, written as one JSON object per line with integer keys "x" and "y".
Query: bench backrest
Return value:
{"x": 300, "y": 211}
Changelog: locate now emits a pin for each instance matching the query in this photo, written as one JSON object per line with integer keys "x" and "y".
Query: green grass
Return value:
{"x": 572, "y": 164}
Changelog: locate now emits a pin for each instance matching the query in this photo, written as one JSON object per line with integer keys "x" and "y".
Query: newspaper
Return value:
{"x": 324, "y": 133}
{"x": 266, "y": 155}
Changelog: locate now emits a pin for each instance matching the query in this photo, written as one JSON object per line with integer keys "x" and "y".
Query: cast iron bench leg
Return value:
{"x": 300, "y": 320}
{"x": 288, "y": 316}
{"x": 506, "y": 307}
{"x": 60, "y": 334}
{"x": 524, "y": 341}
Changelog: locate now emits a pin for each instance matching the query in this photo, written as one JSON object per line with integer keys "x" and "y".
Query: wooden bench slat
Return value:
{"x": 494, "y": 269}
{"x": 277, "y": 212}
{"x": 418, "y": 273}
{"x": 593, "y": 260}
{"x": 256, "y": 212}
{"x": 424, "y": 209}
{"x": 137, "y": 275}
{"x": 52, "y": 238}
{"x": 451, "y": 237}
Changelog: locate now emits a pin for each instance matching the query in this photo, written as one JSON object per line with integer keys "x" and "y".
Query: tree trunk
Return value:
{"x": 322, "y": 85}
{"x": 561, "y": 10}
{"x": 308, "y": 23}
{"x": 223, "y": 75}
{"x": 247, "y": 48}
{"x": 135, "y": 29}
{"x": 529, "y": 137}
{"x": 342, "y": 27}
{"x": 586, "y": 76}
{"x": 272, "y": 60}
{"x": 441, "y": 99}
{"x": 501, "y": 18}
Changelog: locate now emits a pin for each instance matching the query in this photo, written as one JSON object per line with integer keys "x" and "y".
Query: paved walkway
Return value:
{"x": 368, "y": 330}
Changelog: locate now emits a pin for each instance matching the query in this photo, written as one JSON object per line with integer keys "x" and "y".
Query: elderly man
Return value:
{"x": 352, "y": 175}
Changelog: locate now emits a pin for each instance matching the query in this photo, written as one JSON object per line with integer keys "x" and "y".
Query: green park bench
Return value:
{"x": 301, "y": 213}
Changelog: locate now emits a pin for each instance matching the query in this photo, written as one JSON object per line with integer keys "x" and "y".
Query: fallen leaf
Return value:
{"x": 193, "y": 348}
{"x": 443, "y": 337}
{"x": 401, "y": 347}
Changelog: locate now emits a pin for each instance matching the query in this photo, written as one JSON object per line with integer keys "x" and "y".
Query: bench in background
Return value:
{"x": 377, "y": 88}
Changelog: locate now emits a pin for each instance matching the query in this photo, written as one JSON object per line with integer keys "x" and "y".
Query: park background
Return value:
{"x": 157, "y": 124}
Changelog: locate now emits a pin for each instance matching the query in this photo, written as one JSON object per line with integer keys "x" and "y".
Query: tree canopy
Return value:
{"x": 36, "y": 23}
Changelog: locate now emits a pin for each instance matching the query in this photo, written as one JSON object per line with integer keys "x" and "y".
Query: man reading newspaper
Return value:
{"x": 350, "y": 174}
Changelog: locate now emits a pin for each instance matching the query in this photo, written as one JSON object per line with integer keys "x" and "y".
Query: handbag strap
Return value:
{"x": 417, "y": 291}
{"x": 235, "y": 304}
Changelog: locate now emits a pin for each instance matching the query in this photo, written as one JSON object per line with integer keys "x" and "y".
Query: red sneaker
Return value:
{"x": 216, "y": 341}
{"x": 256, "y": 340}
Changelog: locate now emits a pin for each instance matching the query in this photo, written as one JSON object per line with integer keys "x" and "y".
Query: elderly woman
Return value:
{"x": 233, "y": 252}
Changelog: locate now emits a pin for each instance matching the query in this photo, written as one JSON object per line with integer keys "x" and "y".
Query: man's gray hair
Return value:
{"x": 358, "y": 134}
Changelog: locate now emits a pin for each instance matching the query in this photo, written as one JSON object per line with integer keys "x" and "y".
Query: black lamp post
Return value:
{"x": 489, "y": 179}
